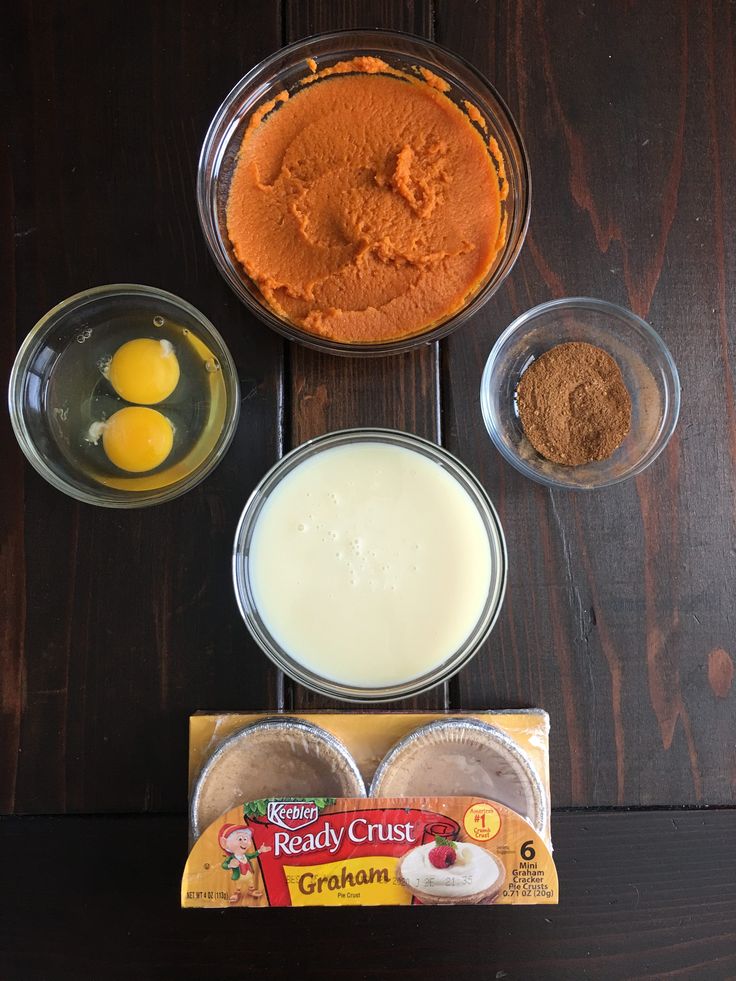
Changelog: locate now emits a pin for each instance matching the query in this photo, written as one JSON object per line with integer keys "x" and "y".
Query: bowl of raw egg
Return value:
{"x": 124, "y": 396}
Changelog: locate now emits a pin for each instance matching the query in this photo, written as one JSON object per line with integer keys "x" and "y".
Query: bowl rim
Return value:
{"x": 45, "y": 324}
{"x": 672, "y": 389}
{"x": 209, "y": 224}
{"x": 456, "y": 660}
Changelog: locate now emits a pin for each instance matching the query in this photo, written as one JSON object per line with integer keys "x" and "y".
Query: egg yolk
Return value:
{"x": 137, "y": 439}
{"x": 144, "y": 371}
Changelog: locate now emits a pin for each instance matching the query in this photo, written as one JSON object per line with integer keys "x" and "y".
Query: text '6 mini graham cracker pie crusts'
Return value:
{"x": 457, "y": 811}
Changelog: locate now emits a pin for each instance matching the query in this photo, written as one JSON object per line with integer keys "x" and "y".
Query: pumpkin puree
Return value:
{"x": 366, "y": 207}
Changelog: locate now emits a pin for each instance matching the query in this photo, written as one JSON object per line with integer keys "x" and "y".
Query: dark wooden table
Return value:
{"x": 620, "y": 617}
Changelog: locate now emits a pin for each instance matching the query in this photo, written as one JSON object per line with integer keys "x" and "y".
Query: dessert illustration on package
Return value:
{"x": 450, "y": 872}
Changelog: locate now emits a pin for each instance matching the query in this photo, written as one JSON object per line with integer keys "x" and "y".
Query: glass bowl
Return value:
{"x": 282, "y": 71}
{"x": 57, "y": 390}
{"x": 244, "y": 592}
{"x": 648, "y": 371}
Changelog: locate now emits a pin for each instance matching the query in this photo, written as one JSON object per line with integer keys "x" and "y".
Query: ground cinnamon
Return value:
{"x": 573, "y": 404}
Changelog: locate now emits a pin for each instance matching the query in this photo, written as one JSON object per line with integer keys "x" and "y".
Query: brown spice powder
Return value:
{"x": 573, "y": 404}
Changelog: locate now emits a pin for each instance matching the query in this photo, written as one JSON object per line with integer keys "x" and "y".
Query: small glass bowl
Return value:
{"x": 56, "y": 383}
{"x": 283, "y": 71}
{"x": 648, "y": 370}
{"x": 244, "y": 588}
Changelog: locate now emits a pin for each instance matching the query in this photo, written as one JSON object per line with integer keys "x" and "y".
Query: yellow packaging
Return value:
{"x": 374, "y": 850}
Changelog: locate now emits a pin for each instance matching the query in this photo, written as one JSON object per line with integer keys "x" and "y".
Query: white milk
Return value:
{"x": 370, "y": 564}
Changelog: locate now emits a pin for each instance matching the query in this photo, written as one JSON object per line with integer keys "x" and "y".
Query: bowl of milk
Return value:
{"x": 369, "y": 565}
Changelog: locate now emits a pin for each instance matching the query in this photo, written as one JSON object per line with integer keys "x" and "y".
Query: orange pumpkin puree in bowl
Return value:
{"x": 367, "y": 206}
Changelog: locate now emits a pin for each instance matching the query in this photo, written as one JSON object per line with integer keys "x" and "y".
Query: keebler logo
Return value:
{"x": 292, "y": 814}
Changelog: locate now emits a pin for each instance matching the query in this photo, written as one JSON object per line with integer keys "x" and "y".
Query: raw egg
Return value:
{"x": 145, "y": 371}
{"x": 135, "y": 439}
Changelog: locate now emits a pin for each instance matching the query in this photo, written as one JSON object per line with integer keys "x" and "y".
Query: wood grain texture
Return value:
{"x": 12, "y": 525}
{"x": 643, "y": 895}
{"x": 116, "y": 625}
{"x": 328, "y": 393}
{"x": 617, "y": 598}
{"x": 620, "y": 616}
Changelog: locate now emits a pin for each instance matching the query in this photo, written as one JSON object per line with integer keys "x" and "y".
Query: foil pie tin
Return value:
{"x": 463, "y": 757}
{"x": 246, "y": 767}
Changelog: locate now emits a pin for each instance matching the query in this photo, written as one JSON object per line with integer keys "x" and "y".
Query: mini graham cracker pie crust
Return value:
{"x": 277, "y": 757}
{"x": 459, "y": 757}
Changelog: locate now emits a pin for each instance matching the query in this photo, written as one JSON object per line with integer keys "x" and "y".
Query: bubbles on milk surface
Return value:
{"x": 357, "y": 540}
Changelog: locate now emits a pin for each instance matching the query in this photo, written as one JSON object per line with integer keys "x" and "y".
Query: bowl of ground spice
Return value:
{"x": 580, "y": 393}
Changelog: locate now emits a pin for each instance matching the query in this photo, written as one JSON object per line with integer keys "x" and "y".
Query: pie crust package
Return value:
{"x": 458, "y": 810}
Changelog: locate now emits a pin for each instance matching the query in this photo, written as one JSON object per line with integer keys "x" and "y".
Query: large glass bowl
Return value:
{"x": 57, "y": 372}
{"x": 244, "y": 592}
{"x": 646, "y": 364}
{"x": 283, "y": 71}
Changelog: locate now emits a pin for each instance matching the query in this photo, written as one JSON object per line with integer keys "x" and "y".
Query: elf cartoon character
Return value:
{"x": 236, "y": 840}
